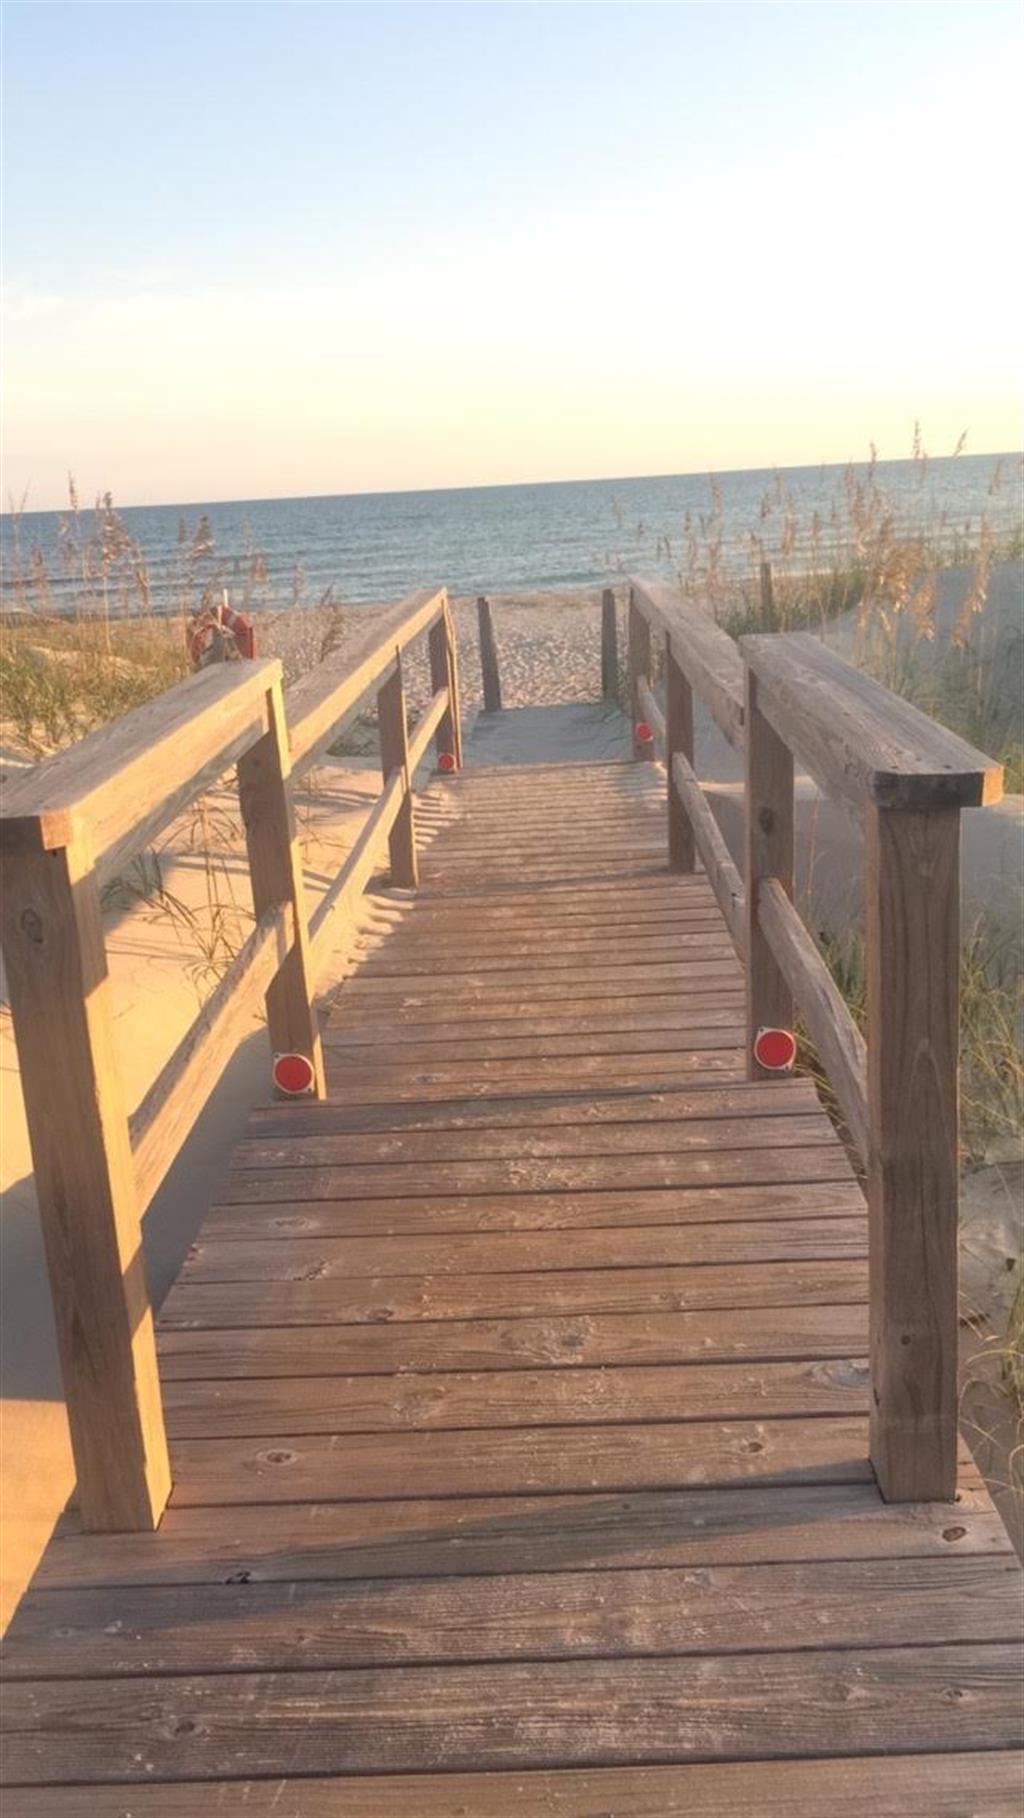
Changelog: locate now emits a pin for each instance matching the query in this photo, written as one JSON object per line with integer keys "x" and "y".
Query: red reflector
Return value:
{"x": 775, "y": 1049}
{"x": 293, "y": 1074}
{"x": 643, "y": 732}
{"x": 446, "y": 760}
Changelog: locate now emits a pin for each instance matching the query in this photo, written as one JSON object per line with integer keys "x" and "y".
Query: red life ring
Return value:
{"x": 201, "y": 634}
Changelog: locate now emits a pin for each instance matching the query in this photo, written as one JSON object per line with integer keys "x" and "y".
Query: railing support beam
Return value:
{"x": 769, "y": 795}
{"x": 275, "y": 869}
{"x": 85, "y": 1186}
{"x": 444, "y": 674}
{"x": 609, "y": 647}
{"x": 682, "y": 853}
{"x": 394, "y": 755}
{"x": 639, "y": 639}
{"x": 912, "y": 935}
{"x": 488, "y": 658}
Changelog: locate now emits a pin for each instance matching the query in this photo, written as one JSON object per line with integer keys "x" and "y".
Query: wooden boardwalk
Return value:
{"x": 518, "y": 1407}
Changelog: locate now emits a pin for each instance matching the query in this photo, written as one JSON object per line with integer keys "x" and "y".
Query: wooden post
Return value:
{"x": 275, "y": 869}
{"x": 394, "y": 755}
{"x": 912, "y": 899}
{"x": 488, "y": 658}
{"x": 609, "y": 647}
{"x": 769, "y": 796}
{"x": 678, "y": 738}
{"x": 639, "y": 640}
{"x": 85, "y": 1185}
{"x": 767, "y": 598}
{"x": 443, "y": 675}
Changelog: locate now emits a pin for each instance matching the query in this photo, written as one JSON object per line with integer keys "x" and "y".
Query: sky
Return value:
{"x": 261, "y": 250}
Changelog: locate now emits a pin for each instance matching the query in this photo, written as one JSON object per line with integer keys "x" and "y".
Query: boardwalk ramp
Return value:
{"x": 518, "y": 1408}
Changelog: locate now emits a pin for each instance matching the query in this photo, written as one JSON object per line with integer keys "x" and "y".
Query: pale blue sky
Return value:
{"x": 266, "y": 249}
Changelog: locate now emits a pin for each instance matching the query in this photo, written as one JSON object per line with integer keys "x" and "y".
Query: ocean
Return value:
{"x": 501, "y": 539}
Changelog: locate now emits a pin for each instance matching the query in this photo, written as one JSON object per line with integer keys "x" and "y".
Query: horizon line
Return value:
{"x": 398, "y": 492}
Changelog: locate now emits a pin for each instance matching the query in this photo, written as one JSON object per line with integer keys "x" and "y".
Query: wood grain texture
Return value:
{"x": 609, "y": 647}
{"x": 628, "y": 1614}
{"x": 912, "y": 929}
{"x": 453, "y": 1537}
{"x": 519, "y": 1408}
{"x": 705, "y": 832}
{"x": 858, "y": 739}
{"x": 539, "y": 1714}
{"x": 85, "y": 1184}
{"x": 638, "y": 638}
{"x": 490, "y": 674}
{"x": 682, "y": 852}
{"x": 578, "y": 1292}
{"x": 276, "y": 876}
{"x": 394, "y": 760}
{"x": 769, "y": 853}
{"x": 709, "y": 658}
{"x": 893, "y": 1786}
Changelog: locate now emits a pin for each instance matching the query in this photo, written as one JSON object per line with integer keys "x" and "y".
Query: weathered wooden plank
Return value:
{"x": 833, "y": 1031}
{"x": 769, "y": 854}
{"x": 645, "y": 975}
{"x": 859, "y": 739}
{"x": 621, "y": 1615}
{"x": 750, "y": 1334}
{"x": 609, "y": 647}
{"x": 556, "y": 1212}
{"x": 394, "y": 757}
{"x": 748, "y": 1525}
{"x": 465, "y": 1400}
{"x": 682, "y": 996}
{"x": 719, "y": 1029}
{"x": 682, "y": 852}
{"x": 502, "y": 1039}
{"x": 325, "y": 700}
{"x": 491, "y": 1252}
{"x": 281, "y": 1148}
{"x": 488, "y": 657}
{"x": 511, "y": 1715}
{"x": 703, "y": 829}
{"x": 983, "y": 1785}
{"x": 126, "y": 781}
{"x": 277, "y": 878}
{"x": 749, "y": 1100}
{"x": 912, "y": 929}
{"x": 688, "y": 1168}
{"x": 712, "y": 1066}
{"x": 300, "y": 1467}
{"x": 709, "y": 657}
{"x": 395, "y": 961}
{"x": 85, "y": 1183}
{"x": 515, "y": 1296}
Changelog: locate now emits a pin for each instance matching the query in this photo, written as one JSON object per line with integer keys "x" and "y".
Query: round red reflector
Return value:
{"x": 644, "y": 734}
{"x": 293, "y": 1074}
{"x": 446, "y": 760}
{"x": 775, "y": 1049}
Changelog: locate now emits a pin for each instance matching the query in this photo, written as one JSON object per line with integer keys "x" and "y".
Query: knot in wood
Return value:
{"x": 32, "y": 926}
{"x": 766, "y": 819}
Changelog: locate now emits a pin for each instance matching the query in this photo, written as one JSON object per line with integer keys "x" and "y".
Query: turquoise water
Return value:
{"x": 501, "y": 539}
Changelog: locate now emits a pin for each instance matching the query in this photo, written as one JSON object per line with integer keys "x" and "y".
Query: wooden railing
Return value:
{"x": 77, "y": 820}
{"x": 785, "y": 696}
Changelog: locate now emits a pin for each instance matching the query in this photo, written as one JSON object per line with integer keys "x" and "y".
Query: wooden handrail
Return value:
{"x": 786, "y": 696}
{"x": 708, "y": 656}
{"x": 125, "y": 783}
{"x": 856, "y": 738}
{"x": 321, "y": 704}
{"x": 77, "y": 819}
